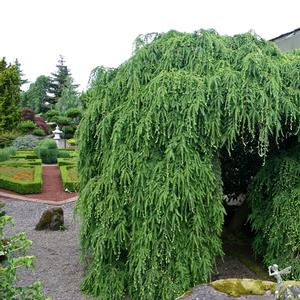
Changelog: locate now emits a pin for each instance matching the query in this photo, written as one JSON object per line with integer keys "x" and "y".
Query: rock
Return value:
{"x": 237, "y": 287}
{"x": 291, "y": 292}
{"x": 52, "y": 219}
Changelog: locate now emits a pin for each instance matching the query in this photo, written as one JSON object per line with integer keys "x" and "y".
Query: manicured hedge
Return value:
{"x": 66, "y": 161}
{"x": 72, "y": 186}
{"x": 20, "y": 161}
{"x": 28, "y": 154}
{"x": 22, "y": 187}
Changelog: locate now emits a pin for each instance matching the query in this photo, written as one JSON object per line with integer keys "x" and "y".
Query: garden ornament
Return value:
{"x": 273, "y": 271}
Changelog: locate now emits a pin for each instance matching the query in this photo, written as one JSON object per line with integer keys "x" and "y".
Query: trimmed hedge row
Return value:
{"x": 72, "y": 186}
{"x": 22, "y": 187}
{"x": 66, "y": 161}
{"x": 27, "y": 154}
{"x": 20, "y": 161}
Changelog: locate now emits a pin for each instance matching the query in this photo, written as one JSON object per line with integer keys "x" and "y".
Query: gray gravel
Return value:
{"x": 58, "y": 262}
{"x": 57, "y": 252}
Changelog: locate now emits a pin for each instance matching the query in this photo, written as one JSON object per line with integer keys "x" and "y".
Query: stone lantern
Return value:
{"x": 59, "y": 142}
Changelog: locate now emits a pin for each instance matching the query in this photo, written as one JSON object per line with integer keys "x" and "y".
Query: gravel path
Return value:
{"x": 57, "y": 256}
{"x": 57, "y": 252}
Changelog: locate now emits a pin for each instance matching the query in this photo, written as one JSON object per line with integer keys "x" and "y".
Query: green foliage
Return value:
{"x": 275, "y": 201}
{"x": 50, "y": 114}
{"x": 26, "y": 154}
{"x": 61, "y": 120}
{"x": 69, "y": 98}
{"x": 6, "y": 153}
{"x": 59, "y": 80}
{"x": 26, "y": 126}
{"x": 68, "y": 182}
{"x": 150, "y": 183}
{"x": 36, "y": 97}
{"x": 20, "y": 186}
{"x": 25, "y": 142}
{"x": 73, "y": 113}
{"x": 7, "y": 137}
{"x": 38, "y": 132}
{"x": 47, "y": 151}
{"x": 63, "y": 154}
{"x": 10, "y": 83}
{"x": 13, "y": 247}
{"x": 66, "y": 161}
{"x": 72, "y": 142}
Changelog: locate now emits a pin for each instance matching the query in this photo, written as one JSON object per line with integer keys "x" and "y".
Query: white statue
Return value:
{"x": 274, "y": 271}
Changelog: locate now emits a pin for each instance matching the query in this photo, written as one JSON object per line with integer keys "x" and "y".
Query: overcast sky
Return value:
{"x": 89, "y": 33}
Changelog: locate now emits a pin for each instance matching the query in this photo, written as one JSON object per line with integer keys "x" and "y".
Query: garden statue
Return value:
{"x": 273, "y": 271}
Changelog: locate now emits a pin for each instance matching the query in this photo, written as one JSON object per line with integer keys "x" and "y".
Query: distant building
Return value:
{"x": 288, "y": 41}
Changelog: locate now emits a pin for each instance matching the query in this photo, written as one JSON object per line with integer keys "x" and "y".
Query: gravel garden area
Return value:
{"x": 58, "y": 256}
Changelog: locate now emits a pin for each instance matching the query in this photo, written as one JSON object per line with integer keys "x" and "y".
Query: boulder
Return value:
{"x": 52, "y": 219}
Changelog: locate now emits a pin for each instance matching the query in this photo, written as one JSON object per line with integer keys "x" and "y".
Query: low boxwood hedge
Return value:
{"x": 22, "y": 187}
{"x": 20, "y": 161}
{"x": 66, "y": 161}
{"x": 27, "y": 154}
{"x": 72, "y": 186}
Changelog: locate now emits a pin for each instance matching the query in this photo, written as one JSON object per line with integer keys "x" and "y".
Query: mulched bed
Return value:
{"x": 52, "y": 189}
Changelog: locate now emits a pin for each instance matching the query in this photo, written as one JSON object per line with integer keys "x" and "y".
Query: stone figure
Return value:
{"x": 274, "y": 271}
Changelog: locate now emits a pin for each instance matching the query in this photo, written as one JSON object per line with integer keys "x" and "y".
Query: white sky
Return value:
{"x": 89, "y": 33}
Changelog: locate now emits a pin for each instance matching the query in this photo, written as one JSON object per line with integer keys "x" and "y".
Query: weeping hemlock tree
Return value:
{"x": 151, "y": 189}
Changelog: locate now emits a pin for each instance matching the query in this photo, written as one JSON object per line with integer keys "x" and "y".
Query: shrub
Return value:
{"x": 10, "y": 248}
{"x": 40, "y": 122}
{"x": 26, "y": 126}
{"x": 47, "y": 151}
{"x": 28, "y": 114}
{"x": 50, "y": 114}
{"x": 25, "y": 142}
{"x": 61, "y": 120}
{"x": 72, "y": 142}
{"x": 63, "y": 154}
{"x": 6, "y": 138}
{"x": 69, "y": 131}
{"x": 73, "y": 113}
{"x": 6, "y": 153}
{"x": 38, "y": 132}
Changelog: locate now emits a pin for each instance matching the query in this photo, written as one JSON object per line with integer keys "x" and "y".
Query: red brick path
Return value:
{"x": 52, "y": 189}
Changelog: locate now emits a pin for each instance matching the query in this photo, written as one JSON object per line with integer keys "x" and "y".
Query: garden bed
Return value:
{"x": 69, "y": 177}
{"x": 22, "y": 179}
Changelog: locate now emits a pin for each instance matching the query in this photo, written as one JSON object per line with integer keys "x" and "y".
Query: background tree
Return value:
{"x": 59, "y": 80}
{"x": 37, "y": 96}
{"x": 69, "y": 97}
{"x": 10, "y": 84}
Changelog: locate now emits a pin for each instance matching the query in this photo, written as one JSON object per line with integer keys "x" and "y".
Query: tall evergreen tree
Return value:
{"x": 59, "y": 80}
{"x": 69, "y": 97}
{"x": 10, "y": 83}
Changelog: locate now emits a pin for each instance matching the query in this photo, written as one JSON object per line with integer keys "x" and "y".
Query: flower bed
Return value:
{"x": 69, "y": 177}
{"x": 22, "y": 179}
